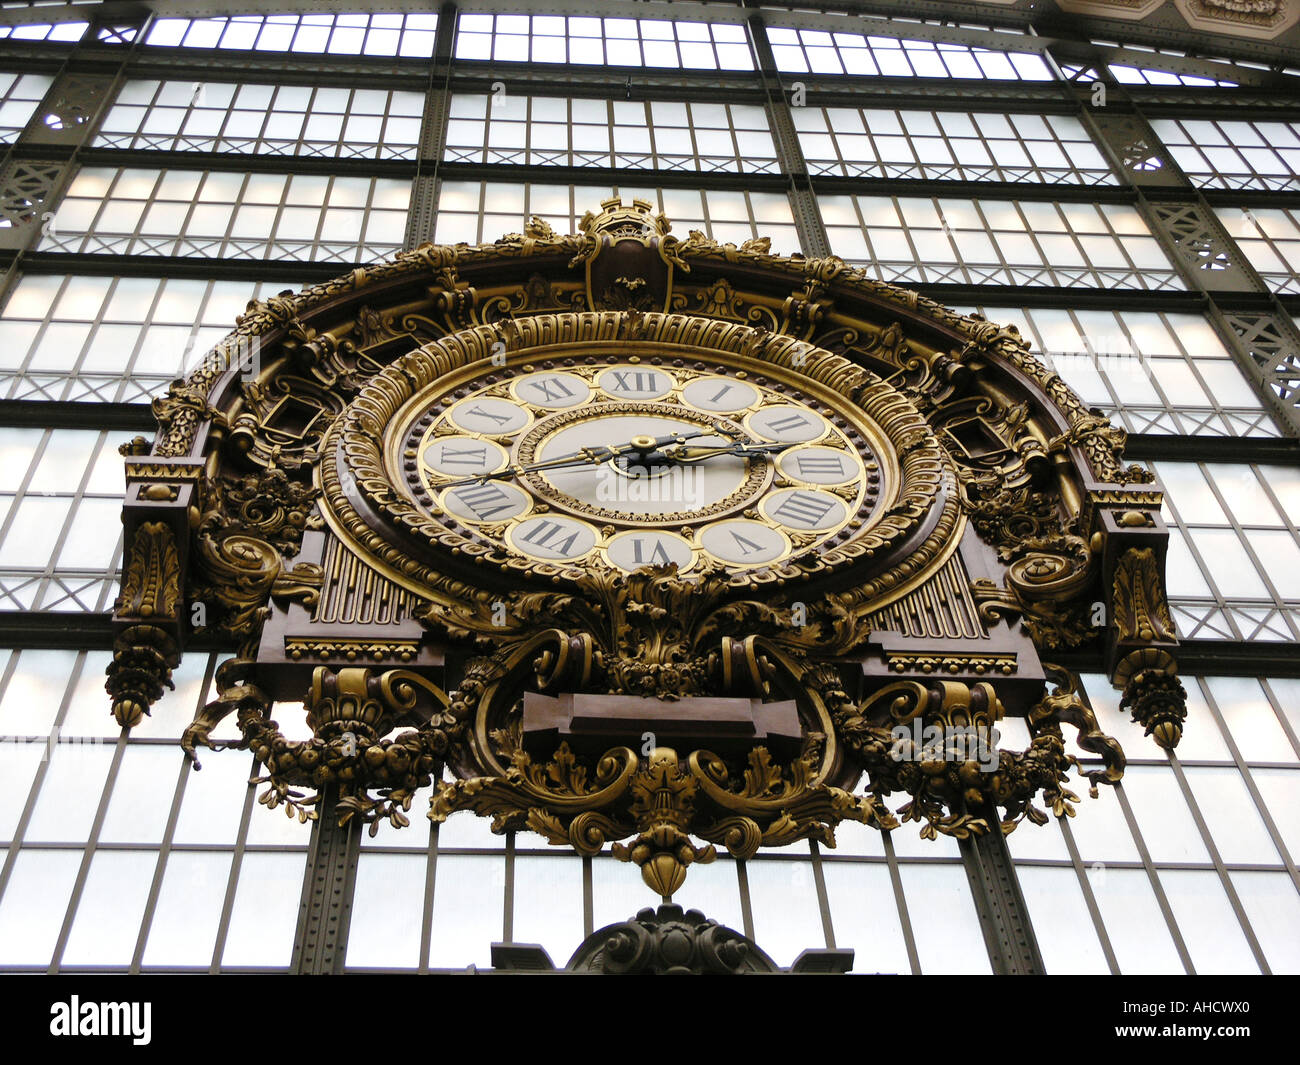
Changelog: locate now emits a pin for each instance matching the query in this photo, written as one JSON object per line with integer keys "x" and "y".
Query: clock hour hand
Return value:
{"x": 593, "y": 456}
{"x": 699, "y": 454}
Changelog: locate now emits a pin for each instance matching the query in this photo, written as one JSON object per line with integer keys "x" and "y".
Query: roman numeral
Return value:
{"x": 747, "y": 546}
{"x": 544, "y": 534}
{"x": 810, "y": 465}
{"x": 721, "y": 392}
{"x": 479, "y": 412}
{"x": 640, "y": 381}
{"x": 788, "y": 423}
{"x": 465, "y": 456}
{"x": 552, "y": 388}
{"x": 803, "y": 508}
{"x": 485, "y": 501}
{"x": 658, "y": 557}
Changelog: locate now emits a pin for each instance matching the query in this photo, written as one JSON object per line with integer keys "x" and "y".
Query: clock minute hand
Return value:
{"x": 586, "y": 456}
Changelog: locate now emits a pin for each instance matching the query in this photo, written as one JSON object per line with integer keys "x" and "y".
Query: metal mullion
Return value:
{"x": 1089, "y": 899}
{"x": 947, "y": 144}
{"x": 261, "y": 29}
{"x": 222, "y": 129}
{"x": 705, "y": 220}
{"x": 296, "y": 30}
{"x": 169, "y": 832}
{"x": 1224, "y": 879}
{"x": 989, "y": 144}
{"x": 384, "y": 120}
{"x": 746, "y": 903}
{"x": 1242, "y": 767}
{"x": 367, "y": 211}
{"x": 1195, "y": 365}
{"x": 904, "y": 229}
{"x": 1153, "y": 877}
{"x": 189, "y": 211}
{"x": 1061, "y": 146}
{"x": 1279, "y": 603}
{"x": 129, "y": 368}
{"x": 991, "y": 233}
{"x": 612, "y": 125}
{"x": 486, "y": 128}
{"x": 487, "y": 133}
{"x": 690, "y": 132}
{"x": 735, "y": 137}
{"x": 1282, "y": 719}
{"x": 508, "y": 904}
{"x": 78, "y": 494}
{"x": 1170, "y": 407}
{"x": 18, "y": 841}
{"x": 839, "y": 159}
{"x": 8, "y": 671}
{"x": 648, "y": 112}
{"x": 104, "y": 603}
{"x": 232, "y": 880}
{"x": 1119, "y": 243}
{"x": 24, "y": 486}
{"x": 1221, "y": 601}
{"x": 949, "y": 231}
{"x": 1249, "y": 109}
{"x": 41, "y": 329}
{"x": 1289, "y": 523}
{"x": 1248, "y": 172}
{"x": 823, "y": 900}
{"x": 1191, "y": 867}
{"x": 199, "y": 314}
{"x": 529, "y": 122}
{"x": 88, "y": 852}
{"x": 106, "y": 203}
{"x": 1069, "y": 231}
{"x": 482, "y": 205}
{"x": 272, "y": 240}
{"x": 900, "y": 900}
{"x": 261, "y": 138}
{"x": 911, "y": 147}
{"x": 430, "y": 883}
{"x": 1118, "y": 403}
{"x": 588, "y": 897}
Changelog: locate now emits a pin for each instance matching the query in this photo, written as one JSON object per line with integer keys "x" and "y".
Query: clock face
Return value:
{"x": 630, "y": 463}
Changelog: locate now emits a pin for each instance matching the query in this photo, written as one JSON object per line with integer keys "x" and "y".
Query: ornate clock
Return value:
{"x": 652, "y": 543}
{"x": 607, "y": 462}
